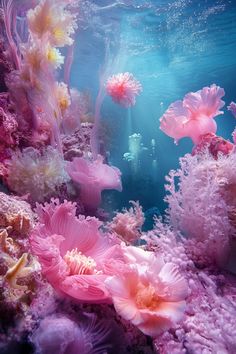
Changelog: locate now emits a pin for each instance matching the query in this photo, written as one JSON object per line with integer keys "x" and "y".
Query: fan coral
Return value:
{"x": 215, "y": 145}
{"x": 193, "y": 116}
{"x": 51, "y": 19}
{"x": 127, "y": 225}
{"x": 35, "y": 173}
{"x": 76, "y": 257}
{"x": 232, "y": 108}
{"x": 151, "y": 294}
{"x": 201, "y": 198}
{"x": 123, "y": 89}
{"x": 93, "y": 177}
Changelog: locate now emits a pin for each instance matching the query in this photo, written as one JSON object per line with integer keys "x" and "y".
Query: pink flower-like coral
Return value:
{"x": 93, "y": 177}
{"x": 75, "y": 256}
{"x": 194, "y": 116}
{"x": 123, "y": 89}
{"x": 151, "y": 295}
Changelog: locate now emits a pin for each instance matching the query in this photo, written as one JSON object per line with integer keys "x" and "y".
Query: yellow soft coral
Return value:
{"x": 50, "y": 19}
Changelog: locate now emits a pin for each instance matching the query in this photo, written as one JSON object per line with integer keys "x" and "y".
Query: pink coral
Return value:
{"x": 215, "y": 145}
{"x": 123, "y": 89}
{"x": 75, "y": 256}
{"x": 127, "y": 225}
{"x": 194, "y": 116}
{"x": 93, "y": 177}
{"x": 151, "y": 295}
{"x": 232, "y": 108}
{"x": 201, "y": 196}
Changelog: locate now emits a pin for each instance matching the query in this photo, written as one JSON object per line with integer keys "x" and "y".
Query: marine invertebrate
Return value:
{"x": 65, "y": 335}
{"x": 127, "y": 225}
{"x": 15, "y": 213}
{"x": 215, "y": 145}
{"x": 78, "y": 143}
{"x": 75, "y": 256}
{"x": 232, "y": 108}
{"x": 93, "y": 177}
{"x": 194, "y": 116}
{"x": 201, "y": 196}
{"x": 51, "y": 19}
{"x": 38, "y": 174}
{"x": 123, "y": 89}
{"x": 151, "y": 294}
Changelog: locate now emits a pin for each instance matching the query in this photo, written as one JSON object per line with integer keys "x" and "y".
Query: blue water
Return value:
{"x": 172, "y": 47}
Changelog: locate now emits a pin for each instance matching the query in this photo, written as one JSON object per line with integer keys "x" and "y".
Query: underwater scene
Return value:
{"x": 118, "y": 177}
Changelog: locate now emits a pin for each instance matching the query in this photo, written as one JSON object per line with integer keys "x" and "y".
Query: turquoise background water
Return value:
{"x": 172, "y": 47}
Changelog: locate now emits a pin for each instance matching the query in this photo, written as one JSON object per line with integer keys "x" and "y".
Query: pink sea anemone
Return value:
{"x": 93, "y": 177}
{"x": 193, "y": 116}
{"x": 123, "y": 89}
{"x": 75, "y": 256}
{"x": 151, "y": 295}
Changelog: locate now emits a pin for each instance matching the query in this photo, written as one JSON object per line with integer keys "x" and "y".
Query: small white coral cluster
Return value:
{"x": 201, "y": 202}
{"x": 39, "y": 175}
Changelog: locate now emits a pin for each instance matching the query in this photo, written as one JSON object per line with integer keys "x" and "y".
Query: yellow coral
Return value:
{"x": 51, "y": 19}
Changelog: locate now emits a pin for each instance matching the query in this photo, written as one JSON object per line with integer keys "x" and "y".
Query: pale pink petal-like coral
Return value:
{"x": 75, "y": 256}
{"x": 93, "y": 177}
{"x": 123, "y": 89}
{"x": 194, "y": 116}
{"x": 151, "y": 294}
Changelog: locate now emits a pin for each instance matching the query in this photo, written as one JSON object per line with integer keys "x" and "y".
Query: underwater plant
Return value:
{"x": 194, "y": 116}
{"x": 93, "y": 177}
{"x": 76, "y": 257}
{"x": 123, "y": 89}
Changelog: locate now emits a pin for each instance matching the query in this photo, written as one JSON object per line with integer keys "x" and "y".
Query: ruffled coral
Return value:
{"x": 194, "y": 116}
{"x": 123, "y": 89}
{"x": 36, "y": 174}
{"x": 76, "y": 257}
{"x": 151, "y": 294}
{"x": 93, "y": 177}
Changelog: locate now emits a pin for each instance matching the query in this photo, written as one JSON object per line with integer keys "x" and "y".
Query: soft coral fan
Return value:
{"x": 200, "y": 204}
{"x": 128, "y": 223}
{"x": 76, "y": 257}
{"x": 37, "y": 174}
{"x": 194, "y": 116}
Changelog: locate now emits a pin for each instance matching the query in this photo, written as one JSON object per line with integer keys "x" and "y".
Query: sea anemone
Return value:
{"x": 63, "y": 335}
{"x": 37, "y": 174}
{"x": 93, "y": 177}
{"x": 123, "y": 89}
{"x": 75, "y": 256}
{"x": 151, "y": 294}
{"x": 194, "y": 116}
